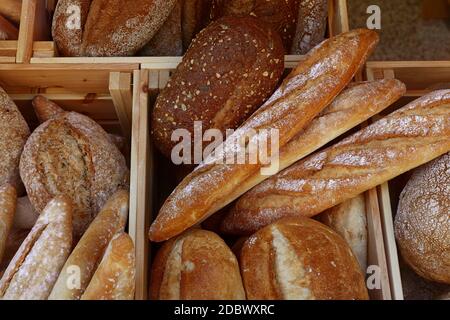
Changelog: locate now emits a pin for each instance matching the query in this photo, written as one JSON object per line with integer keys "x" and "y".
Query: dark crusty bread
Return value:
{"x": 71, "y": 154}
{"x": 195, "y": 16}
{"x": 422, "y": 224}
{"x": 230, "y": 69}
{"x": 197, "y": 265}
{"x": 14, "y": 132}
{"x": 8, "y": 199}
{"x": 300, "y": 259}
{"x": 280, "y": 15}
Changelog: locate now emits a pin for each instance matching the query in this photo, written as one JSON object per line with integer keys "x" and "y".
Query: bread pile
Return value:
{"x": 281, "y": 252}
{"x": 65, "y": 239}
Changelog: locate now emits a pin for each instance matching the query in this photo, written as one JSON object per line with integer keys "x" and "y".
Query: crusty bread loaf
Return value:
{"x": 15, "y": 239}
{"x": 89, "y": 251}
{"x": 407, "y": 138}
{"x": 349, "y": 219}
{"x": 71, "y": 154}
{"x": 11, "y": 9}
{"x": 14, "y": 132}
{"x": 195, "y": 17}
{"x": 36, "y": 266}
{"x": 231, "y": 68}
{"x": 8, "y": 198}
{"x": 7, "y": 30}
{"x": 115, "y": 276}
{"x": 197, "y": 265}
{"x": 422, "y": 224}
{"x": 300, "y": 259}
{"x": 311, "y": 86}
{"x": 311, "y": 25}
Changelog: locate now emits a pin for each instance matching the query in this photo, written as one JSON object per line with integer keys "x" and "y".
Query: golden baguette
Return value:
{"x": 311, "y": 86}
{"x": 407, "y": 138}
{"x": 8, "y": 200}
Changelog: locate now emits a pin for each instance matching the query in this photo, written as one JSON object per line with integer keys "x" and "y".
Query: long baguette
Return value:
{"x": 311, "y": 86}
{"x": 8, "y": 200}
{"x": 408, "y": 138}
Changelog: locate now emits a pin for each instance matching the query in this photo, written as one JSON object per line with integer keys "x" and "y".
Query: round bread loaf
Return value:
{"x": 197, "y": 265}
{"x": 300, "y": 259}
{"x": 71, "y": 155}
{"x": 14, "y": 132}
{"x": 422, "y": 224}
{"x": 230, "y": 69}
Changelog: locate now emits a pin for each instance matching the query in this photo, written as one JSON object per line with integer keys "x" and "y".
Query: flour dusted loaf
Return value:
{"x": 8, "y": 199}
{"x": 300, "y": 259}
{"x": 70, "y": 154}
{"x": 197, "y": 265}
{"x": 422, "y": 224}
{"x": 230, "y": 69}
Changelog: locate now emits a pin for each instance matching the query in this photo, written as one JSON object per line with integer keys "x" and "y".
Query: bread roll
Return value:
{"x": 300, "y": 259}
{"x": 422, "y": 224}
{"x": 404, "y": 140}
{"x": 311, "y": 86}
{"x": 349, "y": 219}
{"x": 115, "y": 276}
{"x": 89, "y": 251}
{"x": 231, "y": 68}
{"x": 197, "y": 265}
{"x": 8, "y": 198}
{"x": 71, "y": 154}
{"x": 36, "y": 266}
{"x": 14, "y": 133}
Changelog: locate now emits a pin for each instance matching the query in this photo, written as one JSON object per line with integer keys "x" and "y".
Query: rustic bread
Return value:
{"x": 197, "y": 265}
{"x": 91, "y": 247}
{"x": 311, "y": 86}
{"x": 71, "y": 154}
{"x": 231, "y": 68}
{"x": 195, "y": 17}
{"x": 422, "y": 224}
{"x": 8, "y": 198}
{"x": 404, "y": 140}
{"x": 15, "y": 239}
{"x": 300, "y": 259}
{"x": 36, "y": 266}
{"x": 14, "y": 132}
{"x": 11, "y": 9}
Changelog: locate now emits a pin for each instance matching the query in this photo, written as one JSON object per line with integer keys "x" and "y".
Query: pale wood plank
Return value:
{"x": 26, "y": 31}
{"x": 116, "y": 88}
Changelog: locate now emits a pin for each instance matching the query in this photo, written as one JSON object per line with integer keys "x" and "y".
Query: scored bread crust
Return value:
{"x": 300, "y": 259}
{"x": 198, "y": 265}
{"x": 71, "y": 154}
{"x": 311, "y": 86}
{"x": 422, "y": 224}
{"x": 404, "y": 140}
{"x": 8, "y": 200}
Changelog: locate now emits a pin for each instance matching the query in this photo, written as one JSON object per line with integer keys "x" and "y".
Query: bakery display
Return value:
{"x": 197, "y": 265}
{"x": 300, "y": 259}
{"x": 8, "y": 198}
{"x": 422, "y": 223}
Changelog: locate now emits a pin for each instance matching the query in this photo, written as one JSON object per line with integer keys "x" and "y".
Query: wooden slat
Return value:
{"x": 337, "y": 17}
{"x": 26, "y": 32}
{"x": 120, "y": 89}
{"x": 8, "y": 48}
{"x": 44, "y": 49}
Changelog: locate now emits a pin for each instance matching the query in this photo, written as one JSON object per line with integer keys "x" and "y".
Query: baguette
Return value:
{"x": 115, "y": 276}
{"x": 88, "y": 253}
{"x": 8, "y": 198}
{"x": 36, "y": 266}
{"x": 407, "y": 138}
{"x": 302, "y": 96}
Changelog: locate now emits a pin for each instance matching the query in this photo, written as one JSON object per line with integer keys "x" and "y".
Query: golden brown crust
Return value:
{"x": 422, "y": 224}
{"x": 8, "y": 199}
{"x": 300, "y": 259}
{"x": 45, "y": 109}
{"x": 198, "y": 265}
{"x": 115, "y": 276}
{"x": 302, "y": 96}
{"x": 406, "y": 139}
{"x": 36, "y": 266}
{"x": 88, "y": 253}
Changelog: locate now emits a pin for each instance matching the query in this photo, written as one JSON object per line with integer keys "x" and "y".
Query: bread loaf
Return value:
{"x": 300, "y": 259}
{"x": 70, "y": 154}
{"x": 197, "y": 265}
{"x": 89, "y": 251}
{"x": 8, "y": 198}
{"x": 115, "y": 276}
{"x": 303, "y": 95}
{"x": 14, "y": 132}
{"x": 36, "y": 266}
{"x": 11, "y": 9}
{"x": 422, "y": 224}
{"x": 407, "y": 138}
{"x": 195, "y": 17}
{"x": 15, "y": 239}
{"x": 231, "y": 68}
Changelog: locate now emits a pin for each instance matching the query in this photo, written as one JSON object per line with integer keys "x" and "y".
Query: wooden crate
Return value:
{"x": 420, "y": 77}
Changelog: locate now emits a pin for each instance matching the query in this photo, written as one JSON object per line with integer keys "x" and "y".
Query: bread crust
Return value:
{"x": 303, "y": 95}
{"x": 8, "y": 199}
{"x": 300, "y": 259}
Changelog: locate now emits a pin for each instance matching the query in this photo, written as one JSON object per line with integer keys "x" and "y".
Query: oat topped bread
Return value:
{"x": 14, "y": 132}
